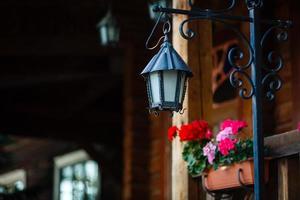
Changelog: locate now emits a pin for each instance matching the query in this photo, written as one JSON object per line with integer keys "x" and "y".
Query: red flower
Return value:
{"x": 298, "y": 127}
{"x": 208, "y": 134}
{"x": 226, "y": 145}
{"x": 172, "y": 132}
{"x": 197, "y": 129}
{"x": 236, "y": 125}
{"x": 187, "y": 133}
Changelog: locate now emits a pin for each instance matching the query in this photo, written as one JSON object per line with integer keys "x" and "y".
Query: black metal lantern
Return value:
{"x": 166, "y": 76}
{"x": 108, "y": 30}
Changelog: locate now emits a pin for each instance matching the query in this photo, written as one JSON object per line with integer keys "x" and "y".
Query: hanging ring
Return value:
{"x": 243, "y": 185}
{"x": 167, "y": 27}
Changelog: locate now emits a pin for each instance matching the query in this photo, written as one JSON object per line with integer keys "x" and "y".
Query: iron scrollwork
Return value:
{"x": 235, "y": 55}
{"x": 271, "y": 81}
{"x": 239, "y": 75}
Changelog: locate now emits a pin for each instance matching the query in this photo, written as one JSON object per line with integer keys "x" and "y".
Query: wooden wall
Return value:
{"x": 284, "y": 104}
{"x": 146, "y": 151}
{"x": 279, "y": 116}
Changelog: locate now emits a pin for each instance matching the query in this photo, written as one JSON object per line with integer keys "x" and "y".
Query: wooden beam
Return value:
{"x": 285, "y": 144}
{"x": 179, "y": 180}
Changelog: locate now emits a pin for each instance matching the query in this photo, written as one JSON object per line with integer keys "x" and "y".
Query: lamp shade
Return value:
{"x": 166, "y": 75}
{"x": 108, "y": 30}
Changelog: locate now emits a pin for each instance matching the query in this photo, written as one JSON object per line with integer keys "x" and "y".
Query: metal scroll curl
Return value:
{"x": 231, "y": 5}
{"x": 237, "y": 82}
{"x": 254, "y": 4}
{"x": 273, "y": 82}
{"x": 235, "y": 55}
{"x": 274, "y": 62}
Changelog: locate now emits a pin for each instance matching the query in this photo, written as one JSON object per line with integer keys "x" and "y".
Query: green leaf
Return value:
{"x": 191, "y": 160}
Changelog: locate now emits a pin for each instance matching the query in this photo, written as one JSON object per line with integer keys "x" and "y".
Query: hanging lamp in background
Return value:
{"x": 166, "y": 76}
{"x": 109, "y": 30}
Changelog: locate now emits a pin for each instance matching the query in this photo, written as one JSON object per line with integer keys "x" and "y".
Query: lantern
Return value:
{"x": 166, "y": 76}
{"x": 108, "y": 30}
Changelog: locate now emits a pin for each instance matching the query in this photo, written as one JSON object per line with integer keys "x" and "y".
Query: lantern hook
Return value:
{"x": 166, "y": 30}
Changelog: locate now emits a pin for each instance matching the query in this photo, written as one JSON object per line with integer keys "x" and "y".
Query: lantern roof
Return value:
{"x": 108, "y": 18}
{"x": 167, "y": 59}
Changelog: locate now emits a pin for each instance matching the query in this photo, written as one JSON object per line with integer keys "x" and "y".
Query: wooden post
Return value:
{"x": 197, "y": 54}
{"x": 179, "y": 171}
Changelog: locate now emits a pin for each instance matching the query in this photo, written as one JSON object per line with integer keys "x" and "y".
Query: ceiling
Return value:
{"x": 55, "y": 79}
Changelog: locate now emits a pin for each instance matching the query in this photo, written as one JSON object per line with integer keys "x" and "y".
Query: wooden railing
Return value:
{"x": 284, "y": 150}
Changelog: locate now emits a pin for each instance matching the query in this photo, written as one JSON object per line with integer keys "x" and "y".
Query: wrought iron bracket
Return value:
{"x": 271, "y": 82}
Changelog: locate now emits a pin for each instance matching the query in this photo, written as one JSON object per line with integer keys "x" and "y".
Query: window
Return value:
{"x": 222, "y": 89}
{"x": 76, "y": 177}
{"x": 12, "y": 182}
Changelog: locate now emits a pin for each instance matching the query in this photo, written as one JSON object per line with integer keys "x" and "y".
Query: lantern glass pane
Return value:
{"x": 155, "y": 86}
{"x": 182, "y": 86}
{"x": 111, "y": 33}
{"x": 170, "y": 83}
{"x": 104, "y": 35}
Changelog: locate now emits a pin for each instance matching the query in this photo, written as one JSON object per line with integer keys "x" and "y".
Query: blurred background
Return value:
{"x": 74, "y": 123}
{"x": 62, "y": 96}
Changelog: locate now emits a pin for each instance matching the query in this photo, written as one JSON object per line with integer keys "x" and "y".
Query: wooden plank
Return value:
{"x": 283, "y": 145}
{"x": 293, "y": 177}
{"x": 288, "y": 178}
{"x": 200, "y": 95}
{"x": 283, "y": 179}
{"x": 179, "y": 182}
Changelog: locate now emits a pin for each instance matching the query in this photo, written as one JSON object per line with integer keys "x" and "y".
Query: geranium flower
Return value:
{"x": 226, "y": 145}
{"x": 172, "y": 131}
{"x": 197, "y": 129}
{"x": 203, "y": 128}
{"x": 226, "y": 133}
{"x": 236, "y": 125}
{"x": 210, "y": 151}
{"x": 208, "y": 134}
{"x": 187, "y": 133}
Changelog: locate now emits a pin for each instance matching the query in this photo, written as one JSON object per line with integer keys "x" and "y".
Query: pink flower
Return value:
{"x": 226, "y": 133}
{"x": 210, "y": 150}
{"x": 298, "y": 127}
{"x": 226, "y": 145}
{"x": 236, "y": 125}
{"x": 172, "y": 132}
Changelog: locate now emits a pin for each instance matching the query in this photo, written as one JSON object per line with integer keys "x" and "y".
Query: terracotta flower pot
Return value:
{"x": 233, "y": 176}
